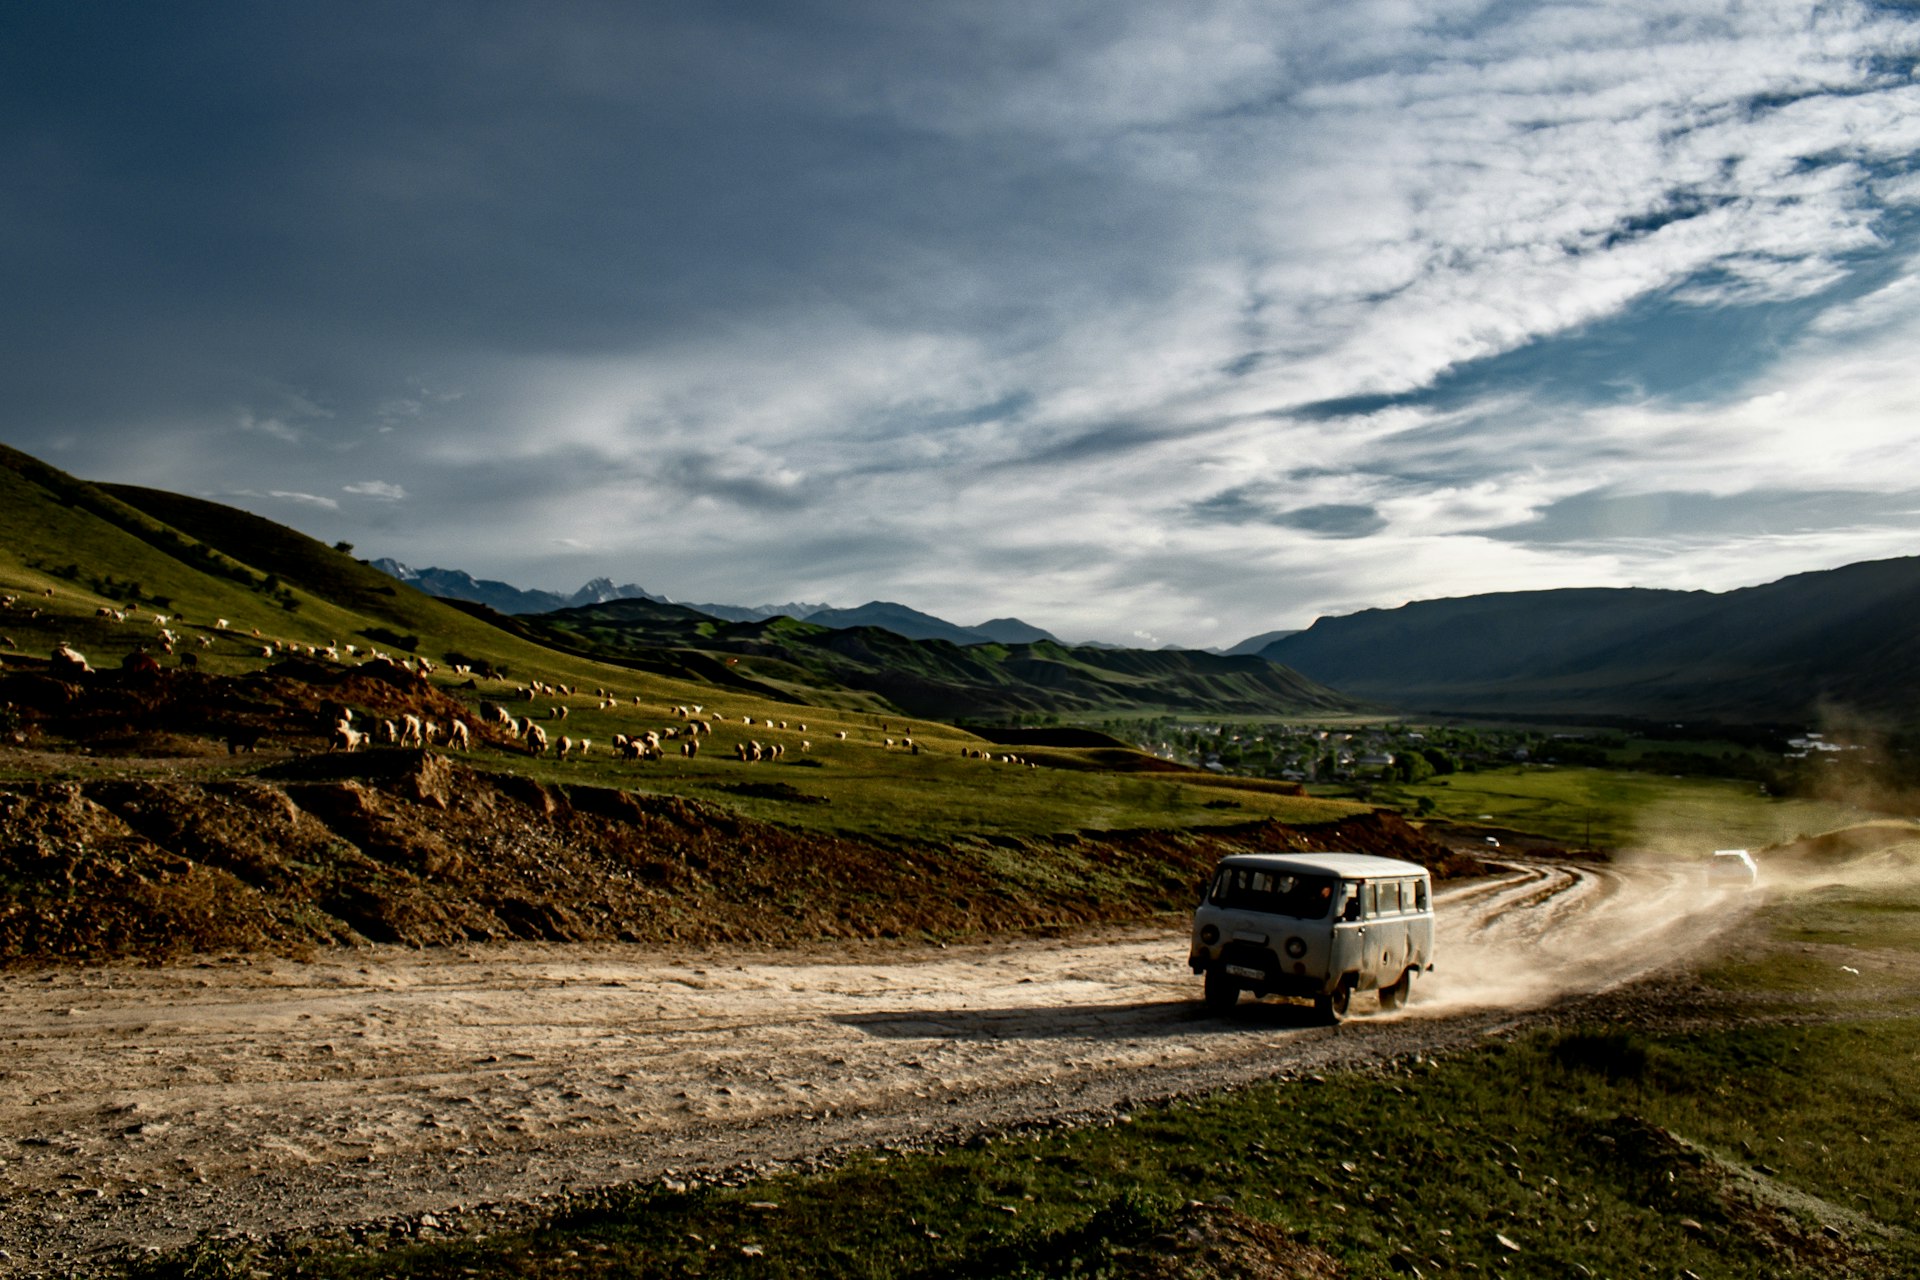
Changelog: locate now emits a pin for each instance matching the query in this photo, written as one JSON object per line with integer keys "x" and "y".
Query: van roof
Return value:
{"x": 1356, "y": 866}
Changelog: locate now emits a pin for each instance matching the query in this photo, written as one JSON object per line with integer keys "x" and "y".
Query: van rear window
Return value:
{"x": 1274, "y": 892}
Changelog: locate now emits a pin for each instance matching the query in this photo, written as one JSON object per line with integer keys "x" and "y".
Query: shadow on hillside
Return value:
{"x": 1144, "y": 1020}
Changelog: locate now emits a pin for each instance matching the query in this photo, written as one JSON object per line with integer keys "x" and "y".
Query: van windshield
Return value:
{"x": 1277, "y": 893}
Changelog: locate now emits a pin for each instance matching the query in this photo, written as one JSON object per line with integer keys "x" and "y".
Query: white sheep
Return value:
{"x": 536, "y": 739}
{"x": 457, "y": 736}
{"x": 345, "y": 737}
{"x": 412, "y": 731}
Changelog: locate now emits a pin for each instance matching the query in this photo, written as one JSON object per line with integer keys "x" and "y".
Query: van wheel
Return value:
{"x": 1395, "y": 996}
{"x": 1222, "y": 990}
{"x": 1335, "y": 1008}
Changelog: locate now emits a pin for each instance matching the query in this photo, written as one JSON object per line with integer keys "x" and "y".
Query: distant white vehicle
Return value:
{"x": 1732, "y": 868}
{"x": 1318, "y": 925}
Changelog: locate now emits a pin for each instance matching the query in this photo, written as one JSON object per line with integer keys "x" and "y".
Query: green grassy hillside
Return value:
{"x": 257, "y": 604}
{"x": 935, "y": 678}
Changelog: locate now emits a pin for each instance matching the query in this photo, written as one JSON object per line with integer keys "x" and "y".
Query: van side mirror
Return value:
{"x": 1353, "y": 910}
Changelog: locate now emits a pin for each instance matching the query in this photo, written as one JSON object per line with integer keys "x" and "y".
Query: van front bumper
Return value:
{"x": 1260, "y": 970}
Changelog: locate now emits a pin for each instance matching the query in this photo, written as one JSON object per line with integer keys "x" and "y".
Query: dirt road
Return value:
{"x": 140, "y": 1105}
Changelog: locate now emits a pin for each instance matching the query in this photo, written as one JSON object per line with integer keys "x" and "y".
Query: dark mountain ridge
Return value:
{"x": 1834, "y": 642}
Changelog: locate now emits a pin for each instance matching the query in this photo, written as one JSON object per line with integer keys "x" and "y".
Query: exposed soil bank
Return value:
{"x": 408, "y": 847}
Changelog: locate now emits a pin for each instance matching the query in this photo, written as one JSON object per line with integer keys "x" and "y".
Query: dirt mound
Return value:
{"x": 408, "y": 847}
{"x": 1846, "y": 844}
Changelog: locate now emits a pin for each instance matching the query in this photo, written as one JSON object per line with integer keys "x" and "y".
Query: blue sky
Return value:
{"x": 1141, "y": 322}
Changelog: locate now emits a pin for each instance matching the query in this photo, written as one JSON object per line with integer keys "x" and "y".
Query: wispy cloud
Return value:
{"x": 1194, "y": 321}
{"x": 311, "y": 499}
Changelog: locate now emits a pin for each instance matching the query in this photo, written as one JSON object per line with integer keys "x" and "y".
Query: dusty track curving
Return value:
{"x": 139, "y": 1106}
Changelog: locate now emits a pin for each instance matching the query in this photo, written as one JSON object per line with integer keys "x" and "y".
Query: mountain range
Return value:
{"x": 1836, "y": 642}
{"x": 1830, "y": 645}
{"x": 501, "y": 597}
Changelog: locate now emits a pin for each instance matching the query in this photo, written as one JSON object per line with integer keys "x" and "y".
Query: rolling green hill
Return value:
{"x": 932, "y": 677}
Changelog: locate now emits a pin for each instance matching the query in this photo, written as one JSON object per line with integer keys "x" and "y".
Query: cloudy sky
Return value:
{"x": 1143, "y": 322}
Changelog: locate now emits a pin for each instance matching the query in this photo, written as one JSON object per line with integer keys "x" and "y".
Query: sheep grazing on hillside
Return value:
{"x": 457, "y": 736}
{"x": 690, "y": 748}
{"x": 345, "y": 737}
{"x": 494, "y": 713}
{"x": 536, "y": 739}
{"x": 563, "y": 748}
{"x": 805, "y": 746}
{"x": 219, "y": 624}
{"x": 266, "y": 651}
{"x": 840, "y": 734}
{"x": 412, "y": 731}
{"x": 388, "y": 732}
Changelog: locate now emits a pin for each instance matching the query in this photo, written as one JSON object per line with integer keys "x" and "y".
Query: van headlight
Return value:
{"x": 1296, "y": 947}
{"x": 1209, "y": 934}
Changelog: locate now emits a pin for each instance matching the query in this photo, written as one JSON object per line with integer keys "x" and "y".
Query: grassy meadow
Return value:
{"x": 1622, "y": 809}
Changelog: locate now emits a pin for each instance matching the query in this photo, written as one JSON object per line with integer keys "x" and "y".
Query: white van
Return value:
{"x": 1732, "y": 868}
{"x": 1319, "y": 925}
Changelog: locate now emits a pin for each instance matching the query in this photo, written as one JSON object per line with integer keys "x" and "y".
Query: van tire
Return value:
{"x": 1335, "y": 1007}
{"x": 1395, "y": 996}
{"x": 1222, "y": 990}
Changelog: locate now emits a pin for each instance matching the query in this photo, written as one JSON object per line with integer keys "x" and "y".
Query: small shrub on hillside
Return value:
{"x": 1615, "y": 1054}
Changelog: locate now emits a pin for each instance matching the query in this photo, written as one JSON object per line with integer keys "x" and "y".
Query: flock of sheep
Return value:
{"x": 410, "y": 730}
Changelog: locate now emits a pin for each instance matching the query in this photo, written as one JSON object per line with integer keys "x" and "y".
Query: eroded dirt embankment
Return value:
{"x": 412, "y": 848}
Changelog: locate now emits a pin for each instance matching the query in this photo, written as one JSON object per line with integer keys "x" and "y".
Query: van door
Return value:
{"x": 1349, "y": 944}
{"x": 1391, "y": 934}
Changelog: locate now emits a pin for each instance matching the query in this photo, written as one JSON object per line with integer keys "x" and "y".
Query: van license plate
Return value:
{"x": 1241, "y": 971}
